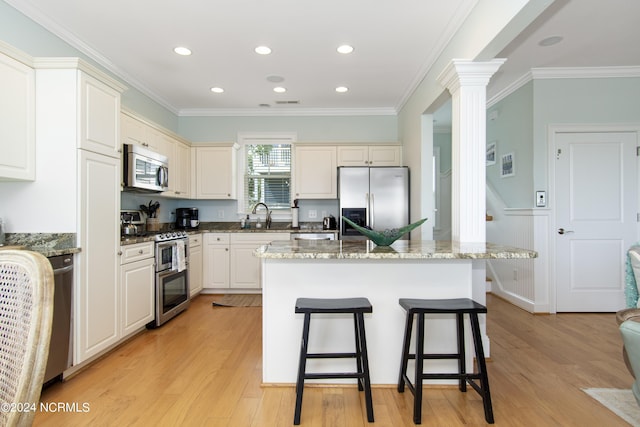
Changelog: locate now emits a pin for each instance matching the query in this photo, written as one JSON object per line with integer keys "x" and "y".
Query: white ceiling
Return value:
{"x": 395, "y": 43}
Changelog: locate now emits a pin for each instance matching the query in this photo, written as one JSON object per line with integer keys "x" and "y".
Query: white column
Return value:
{"x": 467, "y": 82}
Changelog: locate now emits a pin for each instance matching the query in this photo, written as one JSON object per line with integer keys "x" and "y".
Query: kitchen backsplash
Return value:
{"x": 224, "y": 210}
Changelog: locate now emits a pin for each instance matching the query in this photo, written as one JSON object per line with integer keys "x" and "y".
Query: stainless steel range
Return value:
{"x": 172, "y": 283}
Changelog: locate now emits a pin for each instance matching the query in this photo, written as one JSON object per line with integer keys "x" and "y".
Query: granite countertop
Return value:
{"x": 48, "y": 244}
{"x": 401, "y": 249}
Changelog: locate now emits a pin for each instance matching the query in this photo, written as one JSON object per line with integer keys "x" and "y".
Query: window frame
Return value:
{"x": 262, "y": 138}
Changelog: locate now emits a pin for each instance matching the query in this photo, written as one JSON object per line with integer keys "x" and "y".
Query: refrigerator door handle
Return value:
{"x": 367, "y": 214}
{"x": 372, "y": 212}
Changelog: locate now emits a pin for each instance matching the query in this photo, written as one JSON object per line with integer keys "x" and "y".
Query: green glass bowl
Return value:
{"x": 386, "y": 237}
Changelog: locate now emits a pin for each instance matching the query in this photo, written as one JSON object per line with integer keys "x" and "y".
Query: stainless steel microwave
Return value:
{"x": 144, "y": 170}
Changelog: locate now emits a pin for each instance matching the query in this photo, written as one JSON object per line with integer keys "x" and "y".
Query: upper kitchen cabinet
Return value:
{"x": 315, "y": 174}
{"x": 369, "y": 155}
{"x": 17, "y": 116}
{"x": 135, "y": 131}
{"x": 181, "y": 170}
{"x": 100, "y": 117}
{"x": 213, "y": 171}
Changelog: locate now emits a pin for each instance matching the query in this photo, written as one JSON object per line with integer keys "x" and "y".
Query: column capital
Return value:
{"x": 465, "y": 72}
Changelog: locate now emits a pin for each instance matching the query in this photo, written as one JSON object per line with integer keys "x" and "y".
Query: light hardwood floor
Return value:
{"x": 204, "y": 369}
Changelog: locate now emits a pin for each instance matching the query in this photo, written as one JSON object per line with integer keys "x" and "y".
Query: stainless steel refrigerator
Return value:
{"x": 375, "y": 197}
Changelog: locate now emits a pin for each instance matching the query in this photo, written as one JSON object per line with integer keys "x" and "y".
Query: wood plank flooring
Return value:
{"x": 204, "y": 369}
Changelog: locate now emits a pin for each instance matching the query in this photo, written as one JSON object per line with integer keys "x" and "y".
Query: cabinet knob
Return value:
{"x": 120, "y": 253}
{"x": 140, "y": 251}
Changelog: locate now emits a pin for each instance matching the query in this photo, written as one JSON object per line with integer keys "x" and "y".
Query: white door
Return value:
{"x": 596, "y": 205}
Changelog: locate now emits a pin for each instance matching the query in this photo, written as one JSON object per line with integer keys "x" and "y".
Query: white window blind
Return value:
{"x": 267, "y": 175}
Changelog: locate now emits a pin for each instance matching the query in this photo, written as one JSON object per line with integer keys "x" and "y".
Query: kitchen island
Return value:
{"x": 383, "y": 274}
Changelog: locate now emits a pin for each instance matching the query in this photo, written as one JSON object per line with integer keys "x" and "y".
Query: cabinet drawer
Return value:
{"x": 259, "y": 238}
{"x": 214, "y": 238}
{"x": 195, "y": 240}
{"x": 136, "y": 252}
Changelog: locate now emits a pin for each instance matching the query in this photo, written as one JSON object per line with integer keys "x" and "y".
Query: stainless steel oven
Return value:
{"x": 172, "y": 279}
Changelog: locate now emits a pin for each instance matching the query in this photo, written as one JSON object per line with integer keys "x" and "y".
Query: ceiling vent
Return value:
{"x": 287, "y": 102}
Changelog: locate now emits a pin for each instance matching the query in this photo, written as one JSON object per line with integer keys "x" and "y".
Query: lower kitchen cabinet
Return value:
{"x": 137, "y": 277}
{"x": 195, "y": 264}
{"x": 245, "y": 267}
{"x": 215, "y": 259}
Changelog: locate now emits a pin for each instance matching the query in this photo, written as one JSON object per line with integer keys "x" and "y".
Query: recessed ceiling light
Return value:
{"x": 550, "y": 41}
{"x": 342, "y": 89}
{"x": 345, "y": 48}
{"x": 217, "y": 90}
{"x": 180, "y": 50}
{"x": 279, "y": 89}
{"x": 263, "y": 50}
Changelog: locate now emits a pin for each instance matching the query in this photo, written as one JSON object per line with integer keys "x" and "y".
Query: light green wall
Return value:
{"x": 579, "y": 101}
{"x": 309, "y": 129}
{"x": 512, "y": 130}
{"x": 28, "y": 36}
{"x": 442, "y": 140}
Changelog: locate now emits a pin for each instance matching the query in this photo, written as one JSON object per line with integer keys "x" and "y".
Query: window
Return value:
{"x": 267, "y": 175}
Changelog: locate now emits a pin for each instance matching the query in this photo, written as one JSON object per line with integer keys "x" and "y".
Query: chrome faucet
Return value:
{"x": 268, "y": 218}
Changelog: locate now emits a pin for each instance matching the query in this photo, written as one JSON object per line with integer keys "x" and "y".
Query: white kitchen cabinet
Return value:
{"x": 136, "y": 131}
{"x": 195, "y": 264}
{"x": 181, "y": 170}
{"x": 245, "y": 267}
{"x": 17, "y": 118}
{"x": 137, "y": 278}
{"x": 315, "y": 173}
{"x": 215, "y": 260}
{"x": 369, "y": 155}
{"x": 96, "y": 295}
{"x": 214, "y": 171}
{"x": 100, "y": 111}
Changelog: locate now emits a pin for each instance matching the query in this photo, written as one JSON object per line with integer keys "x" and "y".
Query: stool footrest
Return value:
{"x": 331, "y": 355}
{"x": 437, "y": 356}
{"x": 329, "y": 375}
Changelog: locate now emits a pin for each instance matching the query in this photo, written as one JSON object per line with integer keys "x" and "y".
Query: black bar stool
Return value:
{"x": 458, "y": 307}
{"x": 355, "y": 306}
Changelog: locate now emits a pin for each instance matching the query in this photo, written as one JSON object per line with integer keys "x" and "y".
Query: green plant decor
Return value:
{"x": 386, "y": 237}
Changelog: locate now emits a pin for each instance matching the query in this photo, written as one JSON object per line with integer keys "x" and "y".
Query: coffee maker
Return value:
{"x": 187, "y": 218}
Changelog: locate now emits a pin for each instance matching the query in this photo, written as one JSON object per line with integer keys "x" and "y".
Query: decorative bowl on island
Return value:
{"x": 386, "y": 237}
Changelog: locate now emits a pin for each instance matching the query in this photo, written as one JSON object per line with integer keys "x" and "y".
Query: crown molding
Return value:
{"x": 565, "y": 73}
{"x": 285, "y": 112}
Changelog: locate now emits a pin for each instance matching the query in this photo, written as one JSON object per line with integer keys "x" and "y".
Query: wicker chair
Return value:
{"x": 26, "y": 311}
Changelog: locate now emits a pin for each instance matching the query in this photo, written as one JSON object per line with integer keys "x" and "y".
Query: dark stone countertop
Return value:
{"x": 48, "y": 244}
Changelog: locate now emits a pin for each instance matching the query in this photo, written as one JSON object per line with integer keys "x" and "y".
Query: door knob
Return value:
{"x": 563, "y": 231}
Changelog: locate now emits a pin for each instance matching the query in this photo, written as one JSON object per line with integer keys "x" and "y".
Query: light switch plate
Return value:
{"x": 541, "y": 199}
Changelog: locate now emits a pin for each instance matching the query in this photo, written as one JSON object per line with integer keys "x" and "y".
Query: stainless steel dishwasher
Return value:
{"x": 60, "y": 347}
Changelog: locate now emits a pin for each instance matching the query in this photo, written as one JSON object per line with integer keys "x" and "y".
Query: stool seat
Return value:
{"x": 459, "y": 307}
{"x": 355, "y": 306}
{"x": 333, "y": 305}
{"x": 464, "y": 305}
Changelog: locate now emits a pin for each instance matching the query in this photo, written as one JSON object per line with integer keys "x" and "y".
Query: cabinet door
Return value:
{"x": 215, "y": 172}
{"x": 181, "y": 170}
{"x": 132, "y": 131}
{"x": 96, "y": 288}
{"x": 100, "y": 117}
{"x": 215, "y": 261}
{"x": 195, "y": 269}
{"x": 385, "y": 155}
{"x": 245, "y": 268}
{"x": 17, "y": 120}
{"x": 315, "y": 173}
{"x": 353, "y": 155}
{"x": 137, "y": 295}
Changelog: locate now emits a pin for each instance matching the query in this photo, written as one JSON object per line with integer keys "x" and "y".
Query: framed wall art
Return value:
{"x": 491, "y": 152}
{"x": 507, "y": 165}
